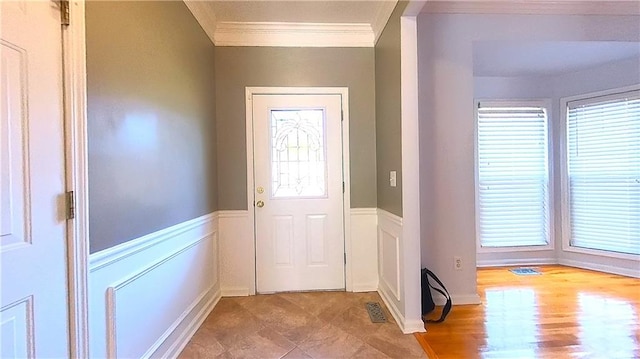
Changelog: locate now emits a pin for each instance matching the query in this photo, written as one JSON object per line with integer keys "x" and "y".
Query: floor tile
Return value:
{"x": 286, "y": 318}
{"x": 263, "y": 344}
{"x": 355, "y": 321}
{"x": 369, "y": 352}
{"x": 202, "y": 345}
{"x": 390, "y": 340}
{"x": 331, "y": 342}
{"x": 313, "y": 325}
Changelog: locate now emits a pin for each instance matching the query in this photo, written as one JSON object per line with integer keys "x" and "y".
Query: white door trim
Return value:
{"x": 75, "y": 119}
{"x": 344, "y": 93}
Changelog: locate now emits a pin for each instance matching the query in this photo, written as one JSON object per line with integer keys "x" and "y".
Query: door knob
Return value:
{"x": 260, "y": 204}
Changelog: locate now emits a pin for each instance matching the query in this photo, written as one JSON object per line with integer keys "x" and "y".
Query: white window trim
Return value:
{"x": 565, "y": 218}
{"x": 546, "y": 103}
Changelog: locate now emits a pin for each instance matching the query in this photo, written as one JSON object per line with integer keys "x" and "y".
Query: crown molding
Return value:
{"x": 204, "y": 16}
{"x": 293, "y": 34}
{"x": 534, "y": 7}
{"x": 382, "y": 17}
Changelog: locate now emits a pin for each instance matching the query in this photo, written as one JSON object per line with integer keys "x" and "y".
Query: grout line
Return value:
{"x": 287, "y": 353}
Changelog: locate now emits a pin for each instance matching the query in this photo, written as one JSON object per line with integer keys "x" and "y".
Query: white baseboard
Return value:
{"x": 515, "y": 262}
{"x": 236, "y": 292}
{"x": 465, "y": 299}
{"x": 371, "y": 287}
{"x": 189, "y": 327}
{"x": 395, "y": 311}
{"x": 457, "y": 299}
{"x": 406, "y": 326}
{"x": 414, "y": 326}
{"x": 627, "y": 272}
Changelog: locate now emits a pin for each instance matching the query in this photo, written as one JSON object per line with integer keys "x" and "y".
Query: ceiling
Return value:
{"x": 355, "y": 23}
{"x": 515, "y": 58}
{"x": 293, "y": 23}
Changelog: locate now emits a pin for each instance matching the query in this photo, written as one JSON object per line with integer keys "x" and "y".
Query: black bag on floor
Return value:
{"x": 427, "y": 300}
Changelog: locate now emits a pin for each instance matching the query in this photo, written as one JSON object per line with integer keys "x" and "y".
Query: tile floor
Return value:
{"x": 314, "y": 325}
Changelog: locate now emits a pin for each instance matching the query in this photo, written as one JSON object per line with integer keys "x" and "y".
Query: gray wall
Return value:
{"x": 240, "y": 67}
{"x": 388, "y": 114}
{"x": 151, "y": 119}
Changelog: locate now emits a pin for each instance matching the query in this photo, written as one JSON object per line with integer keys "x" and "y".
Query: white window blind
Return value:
{"x": 603, "y": 138}
{"x": 513, "y": 180}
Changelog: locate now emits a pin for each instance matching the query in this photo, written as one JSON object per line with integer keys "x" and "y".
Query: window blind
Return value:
{"x": 513, "y": 196}
{"x": 603, "y": 164}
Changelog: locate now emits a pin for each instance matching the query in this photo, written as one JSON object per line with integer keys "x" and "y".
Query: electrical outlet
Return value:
{"x": 457, "y": 263}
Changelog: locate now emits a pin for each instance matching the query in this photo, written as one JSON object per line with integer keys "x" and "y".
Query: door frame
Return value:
{"x": 346, "y": 199}
{"x": 76, "y": 176}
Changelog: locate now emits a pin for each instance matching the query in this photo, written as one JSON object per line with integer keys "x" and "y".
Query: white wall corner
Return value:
{"x": 410, "y": 250}
{"x": 289, "y": 34}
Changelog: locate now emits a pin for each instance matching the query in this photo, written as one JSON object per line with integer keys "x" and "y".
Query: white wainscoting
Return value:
{"x": 237, "y": 254}
{"x": 149, "y": 295}
{"x": 390, "y": 285}
{"x": 362, "y": 255}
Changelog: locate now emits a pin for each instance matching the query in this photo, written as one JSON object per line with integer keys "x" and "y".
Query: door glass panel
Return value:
{"x": 298, "y": 154}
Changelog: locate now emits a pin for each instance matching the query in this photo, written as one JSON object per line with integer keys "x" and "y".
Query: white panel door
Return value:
{"x": 298, "y": 192}
{"x": 33, "y": 312}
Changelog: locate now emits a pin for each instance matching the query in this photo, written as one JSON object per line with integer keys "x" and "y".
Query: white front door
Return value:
{"x": 33, "y": 312}
{"x": 298, "y": 192}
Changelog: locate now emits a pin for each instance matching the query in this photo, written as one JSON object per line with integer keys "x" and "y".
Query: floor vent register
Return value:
{"x": 376, "y": 313}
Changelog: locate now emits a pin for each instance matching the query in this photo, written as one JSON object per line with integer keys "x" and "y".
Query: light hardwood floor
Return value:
{"x": 563, "y": 313}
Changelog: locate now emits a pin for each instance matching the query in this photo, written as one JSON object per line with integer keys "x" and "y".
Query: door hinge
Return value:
{"x": 345, "y": 258}
{"x": 341, "y": 115}
{"x": 71, "y": 205}
{"x": 343, "y": 187}
{"x": 64, "y": 12}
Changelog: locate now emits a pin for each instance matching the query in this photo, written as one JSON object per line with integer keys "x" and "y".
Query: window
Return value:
{"x": 513, "y": 177}
{"x": 298, "y": 154}
{"x": 603, "y": 172}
